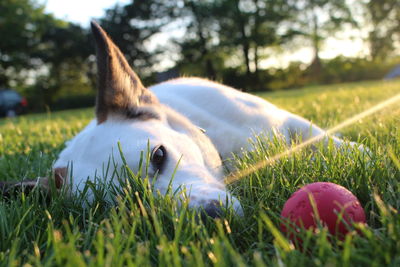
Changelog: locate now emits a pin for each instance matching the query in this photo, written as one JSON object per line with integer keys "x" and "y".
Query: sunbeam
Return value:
{"x": 242, "y": 173}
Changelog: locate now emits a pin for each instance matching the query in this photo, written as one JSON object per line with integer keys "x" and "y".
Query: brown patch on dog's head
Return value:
{"x": 60, "y": 177}
{"x": 119, "y": 88}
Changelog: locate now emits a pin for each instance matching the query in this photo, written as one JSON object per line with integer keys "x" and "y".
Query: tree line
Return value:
{"x": 49, "y": 59}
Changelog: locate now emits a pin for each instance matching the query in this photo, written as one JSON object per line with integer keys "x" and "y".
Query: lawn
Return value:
{"x": 139, "y": 228}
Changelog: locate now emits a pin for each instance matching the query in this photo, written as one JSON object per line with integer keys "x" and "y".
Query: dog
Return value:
{"x": 191, "y": 125}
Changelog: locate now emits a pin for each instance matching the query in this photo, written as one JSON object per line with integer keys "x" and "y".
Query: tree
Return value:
{"x": 252, "y": 26}
{"x": 220, "y": 32}
{"x": 132, "y": 26}
{"x": 40, "y": 54}
{"x": 64, "y": 50}
{"x": 383, "y": 18}
{"x": 198, "y": 46}
{"x": 19, "y": 36}
{"x": 316, "y": 20}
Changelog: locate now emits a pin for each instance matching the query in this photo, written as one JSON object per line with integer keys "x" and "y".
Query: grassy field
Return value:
{"x": 141, "y": 230}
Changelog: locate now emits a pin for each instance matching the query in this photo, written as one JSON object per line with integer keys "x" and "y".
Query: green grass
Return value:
{"x": 140, "y": 229}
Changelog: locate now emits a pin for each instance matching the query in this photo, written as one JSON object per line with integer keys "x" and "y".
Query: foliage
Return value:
{"x": 132, "y": 25}
{"x": 315, "y": 21}
{"x": 383, "y": 18}
{"x": 142, "y": 229}
{"x": 65, "y": 51}
{"x": 20, "y": 30}
{"x": 294, "y": 76}
{"x": 341, "y": 69}
{"x": 41, "y": 55}
{"x": 250, "y": 26}
{"x": 48, "y": 59}
{"x": 336, "y": 70}
{"x": 230, "y": 34}
{"x": 200, "y": 53}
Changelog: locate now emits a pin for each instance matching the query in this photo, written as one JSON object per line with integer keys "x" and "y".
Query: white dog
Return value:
{"x": 191, "y": 123}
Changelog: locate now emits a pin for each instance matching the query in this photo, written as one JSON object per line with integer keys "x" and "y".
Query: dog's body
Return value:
{"x": 200, "y": 123}
{"x": 189, "y": 123}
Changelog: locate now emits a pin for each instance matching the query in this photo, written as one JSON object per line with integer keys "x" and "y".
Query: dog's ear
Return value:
{"x": 119, "y": 89}
{"x": 8, "y": 189}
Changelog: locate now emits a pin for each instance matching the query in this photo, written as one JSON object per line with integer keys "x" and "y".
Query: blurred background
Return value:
{"x": 47, "y": 51}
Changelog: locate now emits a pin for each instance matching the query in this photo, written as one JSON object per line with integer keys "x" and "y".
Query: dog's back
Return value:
{"x": 228, "y": 116}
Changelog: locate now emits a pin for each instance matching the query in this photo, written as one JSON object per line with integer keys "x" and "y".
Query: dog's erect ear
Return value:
{"x": 119, "y": 88}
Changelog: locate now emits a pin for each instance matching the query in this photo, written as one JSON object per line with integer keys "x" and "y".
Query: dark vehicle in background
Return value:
{"x": 11, "y": 103}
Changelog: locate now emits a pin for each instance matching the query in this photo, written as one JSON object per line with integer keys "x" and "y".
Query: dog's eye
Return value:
{"x": 158, "y": 157}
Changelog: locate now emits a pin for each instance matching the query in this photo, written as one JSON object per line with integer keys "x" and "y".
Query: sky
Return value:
{"x": 82, "y": 11}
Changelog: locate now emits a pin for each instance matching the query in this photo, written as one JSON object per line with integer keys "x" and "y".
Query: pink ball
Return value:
{"x": 331, "y": 201}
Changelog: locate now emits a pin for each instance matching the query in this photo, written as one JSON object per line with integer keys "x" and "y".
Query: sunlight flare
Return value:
{"x": 242, "y": 173}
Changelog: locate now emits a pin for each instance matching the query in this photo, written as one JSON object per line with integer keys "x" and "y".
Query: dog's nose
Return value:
{"x": 213, "y": 209}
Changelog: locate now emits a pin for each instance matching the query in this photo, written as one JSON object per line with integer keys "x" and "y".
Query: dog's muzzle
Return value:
{"x": 215, "y": 204}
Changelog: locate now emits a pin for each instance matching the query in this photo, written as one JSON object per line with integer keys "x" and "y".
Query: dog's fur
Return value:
{"x": 190, "y": 122}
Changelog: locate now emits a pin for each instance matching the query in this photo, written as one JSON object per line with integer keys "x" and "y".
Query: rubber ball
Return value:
{"x": 323, "y": 203}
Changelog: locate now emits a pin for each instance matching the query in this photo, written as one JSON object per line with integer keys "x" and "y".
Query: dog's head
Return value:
{"x": 131, "y": 115}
